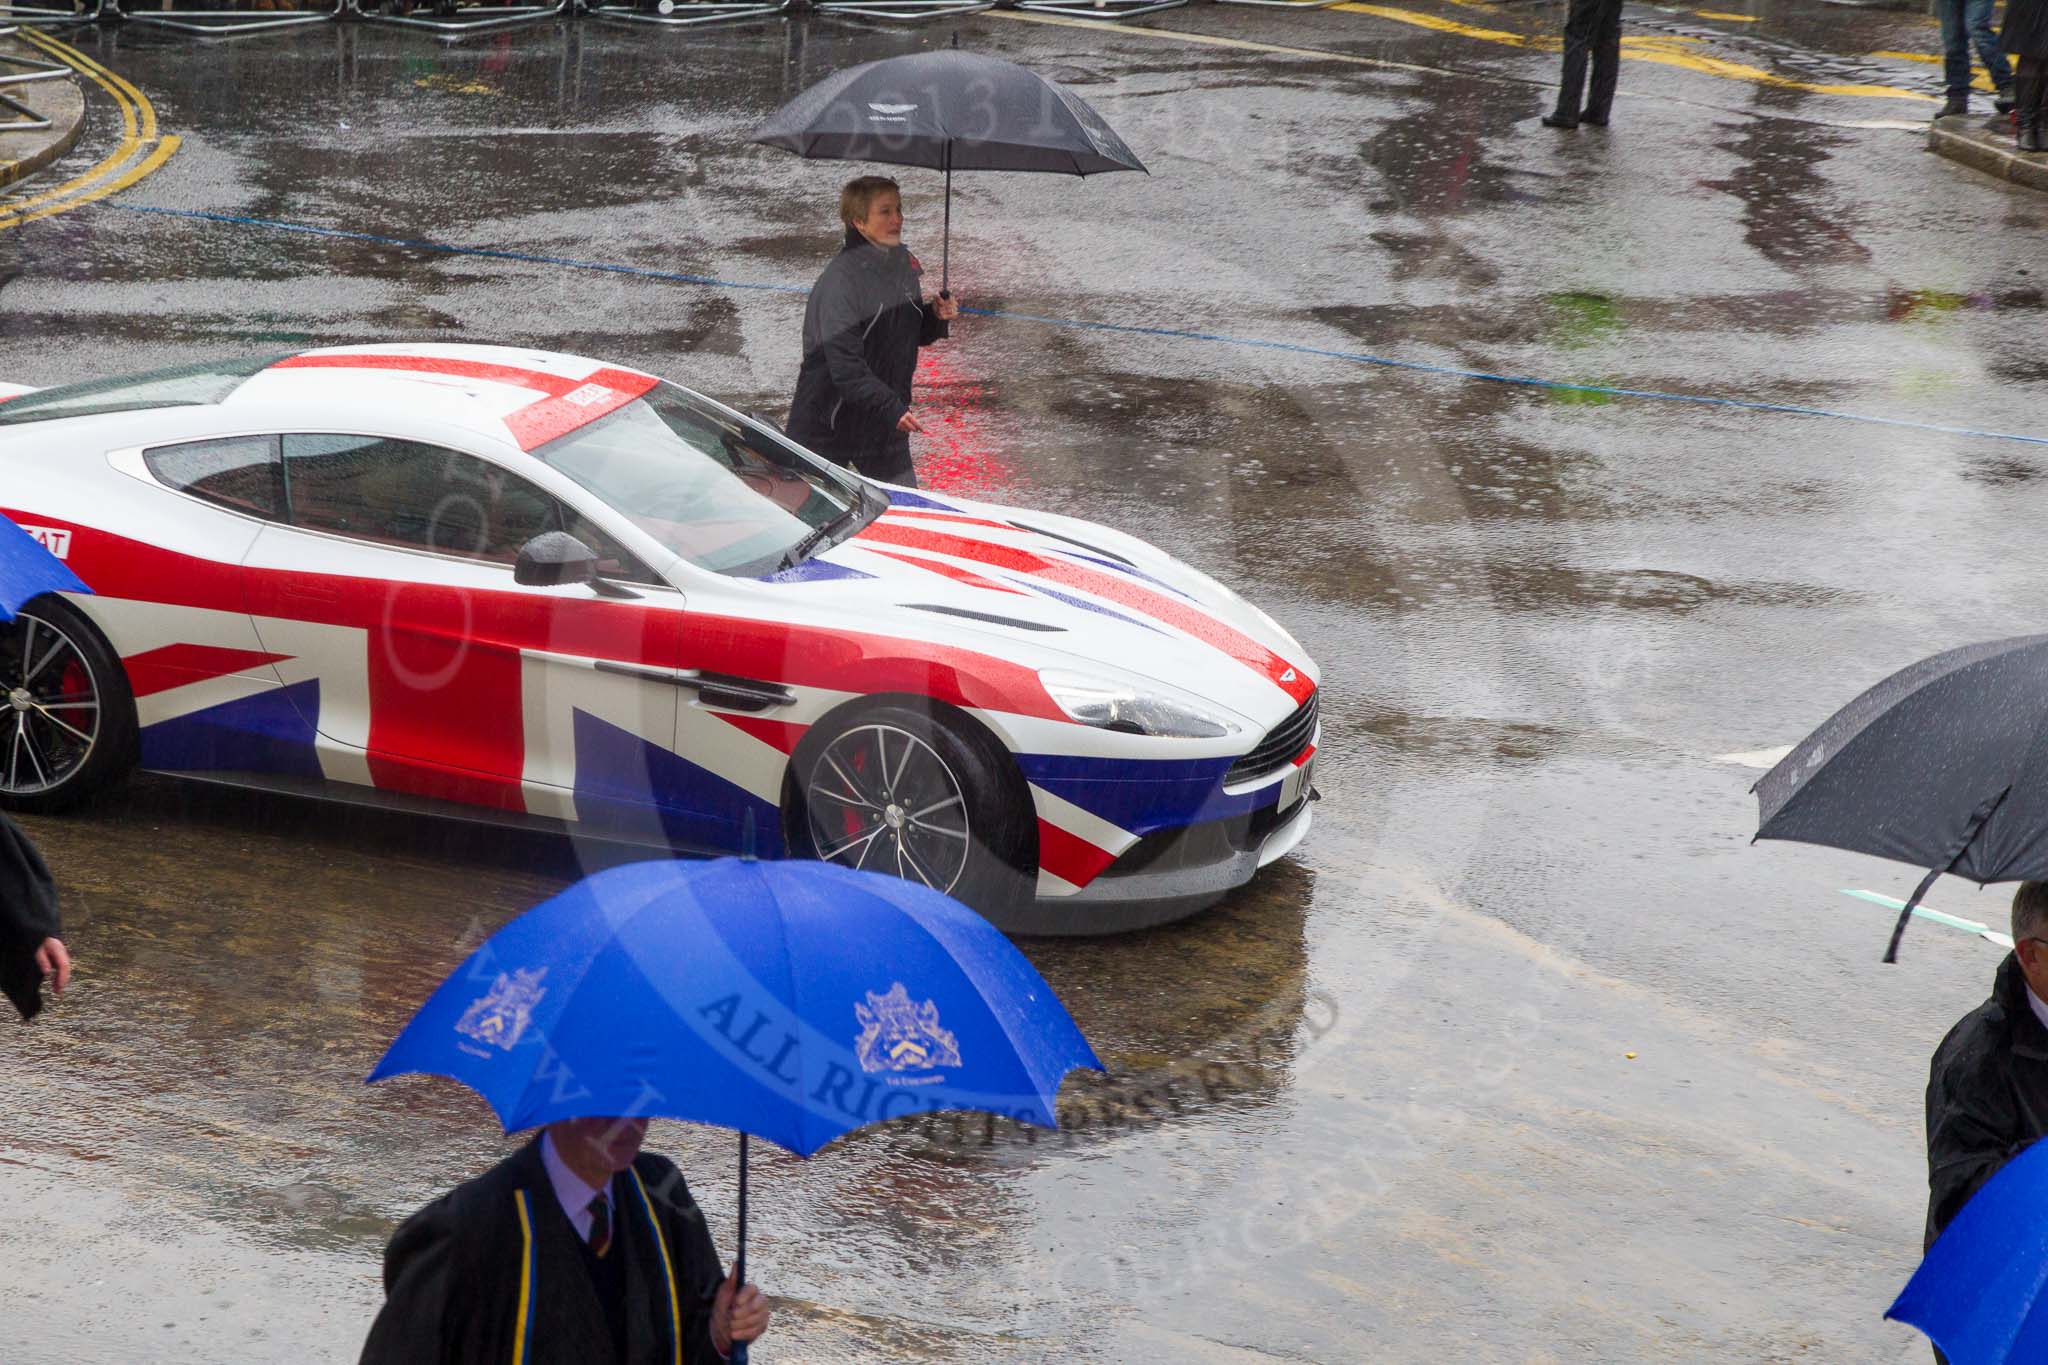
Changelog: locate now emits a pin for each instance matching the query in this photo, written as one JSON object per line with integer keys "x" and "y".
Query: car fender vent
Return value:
{"x": 987, "y": 616}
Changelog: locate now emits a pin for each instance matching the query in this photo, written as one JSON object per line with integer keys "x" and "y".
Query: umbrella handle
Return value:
{"x": 738, "y": 1354}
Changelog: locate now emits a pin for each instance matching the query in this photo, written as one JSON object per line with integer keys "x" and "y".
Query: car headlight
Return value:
{"x": 1131, "y": 710}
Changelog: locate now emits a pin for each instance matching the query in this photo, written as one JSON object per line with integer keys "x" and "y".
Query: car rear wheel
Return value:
{"x": 67, "y": 718}
{"x": 900, "y": 790}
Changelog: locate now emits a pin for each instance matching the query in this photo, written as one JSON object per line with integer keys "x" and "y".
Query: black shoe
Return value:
{"x": 1559, "y": 121}
{"x": 1957, "y": 104}
{"x": 1596, "y": 120}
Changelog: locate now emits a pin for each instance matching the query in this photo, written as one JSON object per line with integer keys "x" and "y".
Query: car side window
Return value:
{"x": 414, "y": 495}
{"x": 614, "y": 560}
{"x": 241, "y": 473}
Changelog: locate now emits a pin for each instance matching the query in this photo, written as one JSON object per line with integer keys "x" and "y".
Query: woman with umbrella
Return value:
{"x": 865, "y": 321}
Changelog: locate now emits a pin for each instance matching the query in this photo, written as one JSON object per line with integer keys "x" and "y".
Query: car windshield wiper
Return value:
{"x": 820, "y": 535}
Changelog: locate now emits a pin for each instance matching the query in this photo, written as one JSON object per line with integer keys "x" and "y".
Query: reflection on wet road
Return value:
{"x": 1381, "y": 1105}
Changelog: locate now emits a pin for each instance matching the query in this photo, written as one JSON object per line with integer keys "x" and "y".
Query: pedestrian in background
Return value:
{"x": 2026, "y": 37}
{"x": 865, "y": 321}
{"x": 1591, "y": 28}
{"x": 1966, "y": 24}
{"x": 30, "y": 950}
{"x": 579, "y": 1247}
{"x": 1987, "y": 1091}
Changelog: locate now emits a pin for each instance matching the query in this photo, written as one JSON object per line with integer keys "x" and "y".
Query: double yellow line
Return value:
{"x": 121, "y": 167}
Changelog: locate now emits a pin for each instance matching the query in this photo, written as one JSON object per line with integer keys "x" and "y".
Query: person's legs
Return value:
{"x": 1977, "y": 19}
{"x": 1606, "y": 64}
{"x": 891, "y": 466}
{"x": 1955, "y": 56}
{"x": 2030, "y": 91}
{"x": 1578, "y": 38}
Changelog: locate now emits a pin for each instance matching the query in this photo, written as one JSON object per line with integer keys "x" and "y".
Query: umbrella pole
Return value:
{"x": 739, "y": 1261}
{"x": 1977, "y": 819}
{"x": 946, "y": 241}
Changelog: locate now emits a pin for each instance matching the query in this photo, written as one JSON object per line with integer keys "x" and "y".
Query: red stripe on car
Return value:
{"x": 945, "y": 570}
{"x": 1113, "y": 587}
{"x": 1068, "y": 856}
{"x": 180, "y": 665}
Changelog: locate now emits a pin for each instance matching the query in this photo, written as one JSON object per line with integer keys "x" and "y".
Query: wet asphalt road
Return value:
{"x": 1380, "y": 1106}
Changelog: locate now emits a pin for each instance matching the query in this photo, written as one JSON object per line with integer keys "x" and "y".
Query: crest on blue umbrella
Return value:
{"x": 795, "y": 1001}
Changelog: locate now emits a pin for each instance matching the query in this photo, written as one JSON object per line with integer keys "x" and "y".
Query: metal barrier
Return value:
{"x": 902, "y": 11}
{"x": 448, "y": 21}
{"x": 35, "y": 16}
{"x": 21, "y": 118}
{"x": 1284, "y": 4}
{"x": 222, "y": 23}
{"x": 690, "y": 13}
{"x": 1107, "y": 11}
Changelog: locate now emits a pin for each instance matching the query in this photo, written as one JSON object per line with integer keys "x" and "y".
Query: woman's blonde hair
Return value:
{"x": 857, "y": 196}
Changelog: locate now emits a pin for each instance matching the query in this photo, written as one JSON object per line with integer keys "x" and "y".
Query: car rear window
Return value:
{"x": 185, "y": 386}
{"x": 242, "y": 473}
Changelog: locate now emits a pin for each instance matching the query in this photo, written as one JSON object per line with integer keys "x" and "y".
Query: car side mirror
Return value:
{"x": 553, "y": 558}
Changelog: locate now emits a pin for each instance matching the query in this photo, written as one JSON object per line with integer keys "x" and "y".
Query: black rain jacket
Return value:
{"x": 28, "y": 915}
{"x": 1987, "y": 1096}
{"x": 863, "y": 326}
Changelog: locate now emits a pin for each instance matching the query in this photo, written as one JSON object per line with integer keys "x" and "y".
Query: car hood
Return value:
{"x": 1057, "y": 592}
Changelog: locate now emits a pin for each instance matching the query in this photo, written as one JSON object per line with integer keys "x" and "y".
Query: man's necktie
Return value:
{"x": 600, "y": 1225}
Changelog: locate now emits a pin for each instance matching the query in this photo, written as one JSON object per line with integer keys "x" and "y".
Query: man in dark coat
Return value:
{"x": 579, "y": 1247}
{"x": 1987, "y": 1091}
{"x": 29, "y": 947}
{"x": 865, "y": 321}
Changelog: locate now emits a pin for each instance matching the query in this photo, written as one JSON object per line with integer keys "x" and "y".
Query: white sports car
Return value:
{"x": 562, "y": 590}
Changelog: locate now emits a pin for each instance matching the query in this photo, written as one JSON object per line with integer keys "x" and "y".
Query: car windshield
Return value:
{"x": 186, "y": 386}
{"x": 724, "y": 494}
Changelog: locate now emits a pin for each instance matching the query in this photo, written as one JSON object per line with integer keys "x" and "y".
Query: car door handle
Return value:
{"x": 308, "y": 592}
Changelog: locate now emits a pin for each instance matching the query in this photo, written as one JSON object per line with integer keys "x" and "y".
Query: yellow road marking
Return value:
{"x": 138, "y": 134}
{"x": 1658, "y": 50}
{"x": 1731, "y": 18}
{"x": 148, "y": 166}
{"x": 1213, "y": 40}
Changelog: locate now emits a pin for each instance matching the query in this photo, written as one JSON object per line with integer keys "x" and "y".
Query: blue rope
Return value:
{"x": 1119, "y": 328}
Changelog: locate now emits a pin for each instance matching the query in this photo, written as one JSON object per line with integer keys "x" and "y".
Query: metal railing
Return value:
{"x": 448, "y": 21}
{"x": 689, "y": 13}
{"x": 1107, "y": 11}
{"x": 20, "y": 118}
{"x": 223, "y": 23}
{"x": 902, "y": 11}
{"x": 37, "y": 16}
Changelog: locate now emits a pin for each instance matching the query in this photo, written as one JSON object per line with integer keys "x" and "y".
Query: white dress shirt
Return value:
{"x": 576, "y": 1196}
{"x": 2040, "y": 1006}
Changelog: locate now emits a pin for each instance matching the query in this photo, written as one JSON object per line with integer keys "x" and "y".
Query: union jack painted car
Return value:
{"x": 564, "y": 591}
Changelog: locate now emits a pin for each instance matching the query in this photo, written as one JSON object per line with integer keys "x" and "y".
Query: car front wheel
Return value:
{"x": 67, "y": 719}
{"x": 918, "y": 795}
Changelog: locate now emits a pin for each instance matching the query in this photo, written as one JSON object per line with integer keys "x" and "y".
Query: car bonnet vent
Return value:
{"x": 987, "y": 616}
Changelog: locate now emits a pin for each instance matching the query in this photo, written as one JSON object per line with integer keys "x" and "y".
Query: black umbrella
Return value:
{"x": 1943, "y": 765}
{"x": 948, "y": 111}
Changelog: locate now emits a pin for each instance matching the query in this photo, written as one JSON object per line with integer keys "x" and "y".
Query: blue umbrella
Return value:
{"x": 1977, "y": 1294}
{"x": 793, "y": 1001}
{"x": 28, "y": 570}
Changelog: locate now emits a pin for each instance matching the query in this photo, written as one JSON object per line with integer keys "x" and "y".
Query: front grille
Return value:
{"x": 1279, "y": 747}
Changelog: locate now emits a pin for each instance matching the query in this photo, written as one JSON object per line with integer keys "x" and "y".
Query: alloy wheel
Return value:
{"x": 882, "y": 799}
{"x": 49, "y": 706}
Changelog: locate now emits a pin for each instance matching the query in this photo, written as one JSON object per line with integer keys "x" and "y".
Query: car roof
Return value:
{"x": 531, "y": 397}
